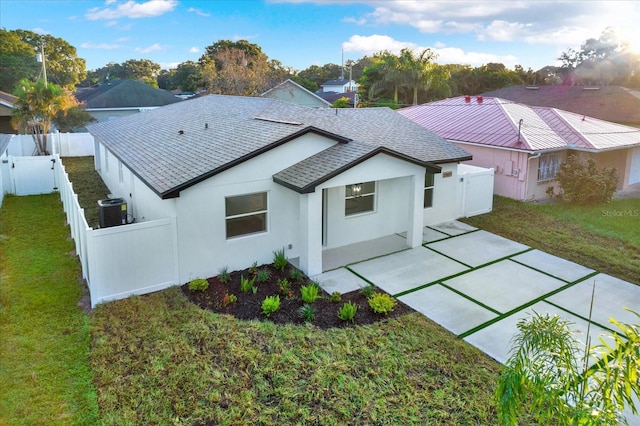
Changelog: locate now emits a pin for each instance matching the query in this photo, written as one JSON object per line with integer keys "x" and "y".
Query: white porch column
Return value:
{"x": 416, "y": 211}
{"x": 311, "y": 233}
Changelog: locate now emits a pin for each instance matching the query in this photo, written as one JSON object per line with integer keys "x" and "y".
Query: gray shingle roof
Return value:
{"x": 219, "y": 132}
{"x": 124, "y": 94}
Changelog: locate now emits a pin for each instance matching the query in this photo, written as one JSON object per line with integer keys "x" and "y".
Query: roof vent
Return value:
{"x": 206, "y": 125}
{"x": 467, "y": 99}
{"x": 479, "y": 99}
{"x": 181, "y": 132}
{"x": 532, "y": 88}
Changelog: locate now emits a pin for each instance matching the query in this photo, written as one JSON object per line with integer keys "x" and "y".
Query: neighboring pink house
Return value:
{"x": 525, "y": 145}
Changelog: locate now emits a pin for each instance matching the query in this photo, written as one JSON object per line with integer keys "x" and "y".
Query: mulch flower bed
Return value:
{"x": 249, "y": 304}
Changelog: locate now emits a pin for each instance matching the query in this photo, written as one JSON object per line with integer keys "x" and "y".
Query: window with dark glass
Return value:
{"x": 360, "y": 198}
{"x": 246, "y": 214}
{"x": 428, "y": 189}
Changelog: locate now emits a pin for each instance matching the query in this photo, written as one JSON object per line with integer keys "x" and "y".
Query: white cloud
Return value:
{"x": 169, "y": 65}
{"x": 110, "y": 24}
{"x": 40, "y": 31}
{"x": 198, "y": 12}
{"x": 504, "y": 31}
{"x": 368, "y": 45}
{"x": 237, "y": 37}
{"x": 357, "y": 21}
{"x": 194, "y": 50}
{"x": 100, "y": 46}
{"x": 132, "y": 9}
{"x": 153, "y": 48}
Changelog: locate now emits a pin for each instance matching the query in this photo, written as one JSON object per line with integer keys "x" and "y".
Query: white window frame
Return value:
{"x": 549, "y": 166}
{"x": 356, "y": 189}
{"x": 264, "y": 212}
{"x": 429, "y": 188}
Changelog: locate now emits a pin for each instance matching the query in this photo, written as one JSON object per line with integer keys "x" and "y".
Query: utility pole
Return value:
{"x": 41, "y": 58}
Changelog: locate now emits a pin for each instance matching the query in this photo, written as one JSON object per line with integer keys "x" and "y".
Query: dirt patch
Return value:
{"x": 249, "y": 305}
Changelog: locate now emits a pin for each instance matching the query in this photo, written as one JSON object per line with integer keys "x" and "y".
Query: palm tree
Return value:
{"x": 36, "y": 107}
{"x": 419, "y": 72}
{"x": 390, "y": 73}
{"x": 550, "y": 373}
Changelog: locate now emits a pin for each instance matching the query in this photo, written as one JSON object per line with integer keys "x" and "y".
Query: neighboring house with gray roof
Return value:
{"x": 118, "y": 98}
{"x": 290, "y": 91}
{"x": 245, "y": 176}
{"x": 525, "y": 145}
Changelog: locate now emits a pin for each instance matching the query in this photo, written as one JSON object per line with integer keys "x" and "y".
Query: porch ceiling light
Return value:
{"x": 357, "y": 189}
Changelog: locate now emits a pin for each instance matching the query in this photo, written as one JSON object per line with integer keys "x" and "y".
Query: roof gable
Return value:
{"x": 291, "y": 91}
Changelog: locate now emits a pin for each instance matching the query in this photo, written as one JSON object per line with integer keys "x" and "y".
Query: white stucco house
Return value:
{"x": 246, "y": 176}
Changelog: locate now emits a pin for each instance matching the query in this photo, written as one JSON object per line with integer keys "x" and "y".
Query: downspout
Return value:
{"x": 526, "y": 183}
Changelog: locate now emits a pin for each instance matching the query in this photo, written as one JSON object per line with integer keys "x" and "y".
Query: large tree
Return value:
{"x": 36, "y": 109}
{"x": 235, "y": 68}
{"x": 17, "y": 60}
{"x": 605, "y": 60}
{"x": 64, "y": 68}
{"x": 420, "y": 73}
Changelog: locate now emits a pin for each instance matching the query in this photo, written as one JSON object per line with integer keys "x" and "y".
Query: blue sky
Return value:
{"x": 301, "y": 33}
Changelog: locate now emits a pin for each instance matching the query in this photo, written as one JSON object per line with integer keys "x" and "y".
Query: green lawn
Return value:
{"x": 605, "y": 238}
{"x": 44, "y": 335}
{"x": 88, "y": 184}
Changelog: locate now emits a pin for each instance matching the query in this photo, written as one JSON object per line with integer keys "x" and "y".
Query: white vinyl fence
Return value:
{"x": 475, "y": 195}
{"x": 64, "y": 144}
{"x": 118, "y": 261}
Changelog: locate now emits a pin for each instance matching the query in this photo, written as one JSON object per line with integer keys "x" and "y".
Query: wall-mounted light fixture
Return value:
{"x": 356, "y": 189}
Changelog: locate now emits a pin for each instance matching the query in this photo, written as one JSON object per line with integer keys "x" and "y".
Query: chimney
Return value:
{"x": 479, "y": 99}
{"x": 467, "y": 99}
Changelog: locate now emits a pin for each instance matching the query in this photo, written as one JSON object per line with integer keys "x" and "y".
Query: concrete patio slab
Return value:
{"x": 495, "y": 340}
{"x": 453, "y": 228}
{"x": 477, "y": 248}
{"x": 407, "y": 269}
{"x": 429, "y": 235}
{"x": 447, "y": 308}
{"x": 505, "y": 285}
{"x": 341, "y": 256}
{"x": 341, "y": 280}
{"x": 553, "y": 265}
{"x": 611, "y": 296}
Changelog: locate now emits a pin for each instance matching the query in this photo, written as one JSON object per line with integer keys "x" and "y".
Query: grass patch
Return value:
{"x": 159, "y": 359}
{"x": 88, "y": 184}
{"x": 605, "y": 237}
{"x": 44, "y": 345}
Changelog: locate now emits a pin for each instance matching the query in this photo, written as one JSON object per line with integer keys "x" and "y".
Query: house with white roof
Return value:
{"x": 525, "y": 145}
{"x": 245, "y": 176}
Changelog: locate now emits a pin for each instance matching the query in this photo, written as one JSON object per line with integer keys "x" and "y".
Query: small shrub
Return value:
{"x": 224, "y": 275}
{"x": 296, "y": 274}
{"x": 229, "y": 299}
{"x": 263, "y": 275}
{"x": 367, "y": 291}
{"x": 348, "y": 311}
{"x": 336, "y": 297}
{"x": 279, "y": 260}
{"x": 382, "y": 303}
{"x": 550, "y": 191}
{"x": 253, "y": 269}
{"x": 307, "y": 312}
{"x": 199, "y": 284}
{"x": 246, "y": 285}
{"x": 270, "y": 305}
{"x": 284, "y": 288}
{"x": 310, "y": 293}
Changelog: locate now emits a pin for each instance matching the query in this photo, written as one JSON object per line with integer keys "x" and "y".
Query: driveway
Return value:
{"x": 479, "y": 285}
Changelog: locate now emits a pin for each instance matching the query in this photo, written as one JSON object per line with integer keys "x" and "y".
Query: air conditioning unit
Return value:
{"x": 112, "y": 212}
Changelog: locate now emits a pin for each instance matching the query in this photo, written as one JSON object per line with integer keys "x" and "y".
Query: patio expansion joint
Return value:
{"x": 525, "y": 306}
{"x": 450, "y": 235}
{"x": 608, "y": 328}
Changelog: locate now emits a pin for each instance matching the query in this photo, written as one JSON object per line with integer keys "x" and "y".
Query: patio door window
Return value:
{"x": 360, "y": 198}
{"x": 246, "y": 214}
{"x": 428, "y": 189}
